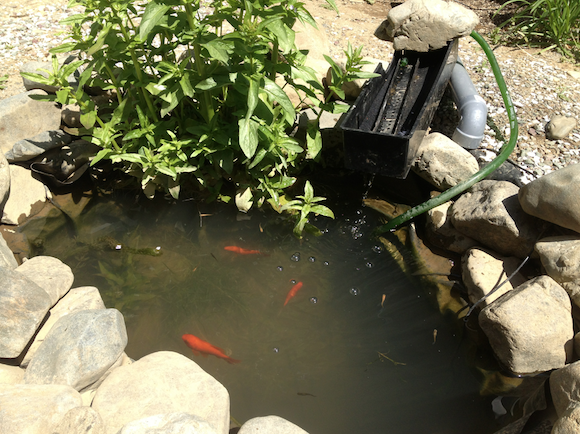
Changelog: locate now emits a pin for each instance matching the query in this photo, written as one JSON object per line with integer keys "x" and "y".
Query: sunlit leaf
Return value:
{"x": 153, "y": 15}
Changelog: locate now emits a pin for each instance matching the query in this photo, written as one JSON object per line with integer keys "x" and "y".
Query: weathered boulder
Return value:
{"x": 560, "y": 256}
{"x": 7, "y": 258}
{"x": 75, "y": 300}
{"x": 23, "y": 305}
{"x": 22, "y": 117}
{"x": 80, "y": 420}
{"x": 51, "y": 274}
{"x": 568, "y": 422}
{"x": 554, "y": 197}
{"x": 423, "y": 25}
{"x": 11, "y": 374}
{"x": 71, "y": 115}
{"x": 482, "y": 270}
{"x": 491, "y": 214}
{"x": 565, "y": 387}
{"x": 26, "y": 149}
{"x": 79, "y": 349}
{"x": 27, "y": 195}
{"x": 35, "y": 409}
{"x": 169, "y": 423}
{"x": 530, "y": 327}
{"x": 442, "y": 162}
{"x": 162, "y": 382}
{"x": 559, "y": 127}
{"x": 4, "y": 180}
{"x": 270, "y": 425}
{"x": 441, "y": 233}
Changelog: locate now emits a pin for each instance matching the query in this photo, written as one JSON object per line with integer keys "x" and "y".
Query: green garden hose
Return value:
{"x": 505, "y": 152}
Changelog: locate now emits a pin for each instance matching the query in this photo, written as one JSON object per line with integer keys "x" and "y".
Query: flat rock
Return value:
{"x": 482, "y": 270}
{"x": 22, "y": 117}
{"x": 162, "y": 382}
{"x": 23, "y": 306}
{"x": 441, "y": 233}
{"x": 171, "y": 423}
{"x": 80, "y": 420}
{"x": 27, "y": 196}
{"x": 7, "y": 258}
{"x": 554, "y": 197}
{"x": 35, "y": 409}
{"x": 79, "y": 349}
{"x": 4, "y": 180}
{"x": 560, "y": 256}
{"x": 565, "y": 387}
{"x": 26, "y": 149}
{"x": 530, "y": 328}
{"x": 490, "y": 213}
{"x": 443, "y": 163}
{"x": 51, "y": 274}
{"x": 424, "y": 25}
{"x": 560, "y": 127}
{"x": 270, "y": 425}
{"x": 75, "y": 300}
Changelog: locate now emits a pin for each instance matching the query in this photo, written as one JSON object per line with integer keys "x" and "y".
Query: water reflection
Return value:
{"x": 353, "y": 351}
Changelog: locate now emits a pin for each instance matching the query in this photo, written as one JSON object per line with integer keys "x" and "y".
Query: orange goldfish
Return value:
{"x": 293, "y": 292}
{"x": 242, "y": 251}
{"x": 199, "y": 346}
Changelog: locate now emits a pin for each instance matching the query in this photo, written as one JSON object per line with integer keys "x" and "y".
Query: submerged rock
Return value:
{"x": 530, "y": 328}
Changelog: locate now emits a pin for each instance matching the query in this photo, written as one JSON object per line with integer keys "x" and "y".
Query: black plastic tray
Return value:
{"x": 385, "y": 126}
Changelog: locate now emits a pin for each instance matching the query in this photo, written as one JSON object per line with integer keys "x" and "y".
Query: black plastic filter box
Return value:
{"x": 385, "y": 126}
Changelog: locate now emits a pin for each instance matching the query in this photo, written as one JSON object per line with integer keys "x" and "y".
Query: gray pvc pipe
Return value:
{"x": 471, "y": 106}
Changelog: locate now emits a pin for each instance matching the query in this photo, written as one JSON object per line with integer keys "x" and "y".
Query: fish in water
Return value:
{"x": 242, "y": 251}
{"x": 293, "y": 292}
{"x": 199, "y": 346}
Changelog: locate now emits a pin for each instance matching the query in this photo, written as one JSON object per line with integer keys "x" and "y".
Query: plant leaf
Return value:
{"x": 248, "y": 136}
{"x": 281, "y": 98}
{"x": 153, "y": 15}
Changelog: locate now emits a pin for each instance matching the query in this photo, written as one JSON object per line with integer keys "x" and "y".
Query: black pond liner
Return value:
{"x": 385, "y": 126}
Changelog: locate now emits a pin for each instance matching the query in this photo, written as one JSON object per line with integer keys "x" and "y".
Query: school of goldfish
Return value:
{"x": 204, "y": 348}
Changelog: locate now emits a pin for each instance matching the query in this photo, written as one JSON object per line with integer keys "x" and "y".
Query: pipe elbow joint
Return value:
{"x": 470, "y": 131}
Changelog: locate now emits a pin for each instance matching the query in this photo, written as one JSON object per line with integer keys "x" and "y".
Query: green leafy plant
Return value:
{"x": 198, "y": 92}
{"x": 546, "y": 23}
{"x": 3, "y": 80}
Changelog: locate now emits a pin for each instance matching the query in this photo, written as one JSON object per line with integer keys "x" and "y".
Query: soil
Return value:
{"x": 541, "y": 84}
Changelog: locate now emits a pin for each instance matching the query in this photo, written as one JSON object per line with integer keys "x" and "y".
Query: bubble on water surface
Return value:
{"x": 118, "y": 247}
{"x": 279, "y": 268}
{"x": 312, "y": 259}
{"x": 293, "y": 281}
{"x": 354, "y": 291}
{"x": 369, "y": 265}
{"x": 378, "y": 249}
{"x": 326, "y": 263}
{"x": 295, "y": 257}
{"x": 275, "y": 349}
{"x": 313, "y": 300}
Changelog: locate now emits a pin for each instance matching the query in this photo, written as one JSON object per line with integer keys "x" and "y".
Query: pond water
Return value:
{"x": 360, "y": 348}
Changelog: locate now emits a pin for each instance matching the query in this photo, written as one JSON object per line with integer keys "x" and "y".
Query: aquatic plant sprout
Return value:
{"x": 505, "y": 152}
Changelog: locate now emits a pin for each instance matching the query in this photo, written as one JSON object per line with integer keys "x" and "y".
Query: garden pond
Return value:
{"x": 360, "y": 347}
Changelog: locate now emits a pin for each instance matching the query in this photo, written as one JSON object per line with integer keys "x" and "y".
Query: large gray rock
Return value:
{"x": 443, "y": 163}
{"x": 7, "y": 258}
{"x": 27, "y": 195}
{"x": 560, "y": 256}
{"x": 35, "y": 409}
{"x": 491, "y": 214}
{"x": 565, "y": 387}
{"x": 162, "y": 382}
{"x": 270, "y": 425}
{"x": 530, "y": 328}
{"x": 482, "y": 270}
{"x": 554, "y": 197}
{"x": 424, "y": 25}
{"x": 77, "y": 299}
{"x": 22, "y": 117}
{"x": 79, "y": 349}
{"x": 568, "y": 422}
{"x": 171, "y": 423}
{"x": 26, "y": 149}
{"x": 441, "y": 233}
{"x": 51, "y": 274}
{"x": 4, "y": 180}
{"x": 23, "y": 305}
{"x": 80, "y": 420}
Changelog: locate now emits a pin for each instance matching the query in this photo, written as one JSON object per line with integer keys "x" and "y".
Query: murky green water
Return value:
{"x": 333, "y": 360}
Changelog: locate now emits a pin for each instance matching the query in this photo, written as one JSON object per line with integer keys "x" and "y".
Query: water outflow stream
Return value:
{"x": 360, "y": 347}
